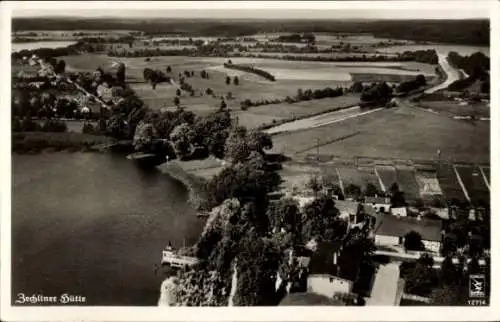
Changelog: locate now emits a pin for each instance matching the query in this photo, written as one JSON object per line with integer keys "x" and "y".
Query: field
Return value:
{"x": 449, "y": 183}
{"x": 455, "y": 108}
{"x": 428, "y": 183}
{"x": 474, "y": 183}
{"x": 407, "y": 182}
{"x": 387, "y": 175}
{"x": 403, "y": 132}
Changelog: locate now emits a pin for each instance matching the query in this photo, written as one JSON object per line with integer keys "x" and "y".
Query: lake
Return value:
{"x": 40, "y": 44}
{"x": 94, "y": 225}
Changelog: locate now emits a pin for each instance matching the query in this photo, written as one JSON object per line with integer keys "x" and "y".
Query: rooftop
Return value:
{"x": 390, "y": 225}
{"x": 347, "y": 206}
{"x": 377, "y": 200}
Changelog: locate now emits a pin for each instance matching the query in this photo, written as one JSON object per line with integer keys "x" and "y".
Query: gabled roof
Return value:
{"x": 389, "y": 225}
{"x": 378, "y": 200}
{"x": 347, "y": 206}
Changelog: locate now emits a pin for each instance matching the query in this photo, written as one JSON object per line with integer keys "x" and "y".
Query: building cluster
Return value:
{"x": 322, "y": 273}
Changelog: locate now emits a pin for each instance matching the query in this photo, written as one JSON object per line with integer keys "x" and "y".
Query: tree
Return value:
{"x": 286, "y": 214}
{"x": 352, "y": 191}
{"x": 228, "y": 80}
{"x": 180, "y": 136}
{"x": 177, "y": 101}
{"x": 178, "y": 92}
{"x": 209, "y": 91}
{"x": 120, "y": 73}
{"x": 420, "y": 80}
{"x": 321, "y": 221}
{"x": 421, "y": 278}
{"x": 314, "y": 184}
{"x": 371, "y": 190}
{"x": 413, "y": 241}
{"x": 357, "y": 87}
{"x": 449, "y": 273}
{"x": 223, "y": 105}
{"x": 397, "y": 196}
{"x": 236, "y": 81}
{"x": 60, "y": 67}
{"x": 229, "y": 96}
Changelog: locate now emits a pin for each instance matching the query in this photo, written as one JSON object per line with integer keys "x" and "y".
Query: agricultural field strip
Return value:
{"x": 387, "y": 175}
{"x": 473, "y": 182}
{"x": 486, "y": 177}
{"x": 382, "y": 186}
{"x": 406, "y": 179}
{"x": 318, "y": 121}
{"x": 460, "y": 182}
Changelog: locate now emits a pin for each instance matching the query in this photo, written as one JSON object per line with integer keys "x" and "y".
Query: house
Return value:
{"x": 303, "y": 201}
{"x": 349, "y": 210}
{"x": 399, "y": 211}
{"x": 328, "y": 285}
{"x": 381, "y": 204}
{"x": 330, "y": 272}
{"x": 391, "y": 231}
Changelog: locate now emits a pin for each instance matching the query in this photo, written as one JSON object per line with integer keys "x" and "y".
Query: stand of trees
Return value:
{"x": 154, "y": 77}
{"x": 411, "y": 85}
{"x": 377, "y": 94}
{"x": 250, "y": 69}
{"x": 476, "y": 66}
{"x": 302, "y": 95}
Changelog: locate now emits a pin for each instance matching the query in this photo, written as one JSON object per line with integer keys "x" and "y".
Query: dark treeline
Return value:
{"x": 152, "y": 52}
{"x": 446, "y": 31}
{"x": 413, "y": 84}
{"x": 477, "y": 67}
{"x": 251, "y": 69}
{"x": 302, "y": 95}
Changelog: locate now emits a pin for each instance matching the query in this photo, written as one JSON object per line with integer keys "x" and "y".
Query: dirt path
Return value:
{"x": 321, "y": 120}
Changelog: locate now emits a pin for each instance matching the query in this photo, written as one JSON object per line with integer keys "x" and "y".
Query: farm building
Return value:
{"x": 328, "y": 285}
{"x": 381, "y": 204}
{"x": 391, "y": 231}
{"x": 399, "y": 211}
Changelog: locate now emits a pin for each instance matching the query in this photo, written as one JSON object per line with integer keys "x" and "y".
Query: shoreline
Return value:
{"x": 193, "y": 183}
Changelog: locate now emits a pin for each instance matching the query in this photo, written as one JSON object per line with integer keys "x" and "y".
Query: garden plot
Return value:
{"x": 474, "y": 183}
{"x": 351, "y": 175}
{"x": 405, "y": 177}
{"x": 387, "y": 175}
{"x": 428, "y": 183}
{"x": 449, "y": 183}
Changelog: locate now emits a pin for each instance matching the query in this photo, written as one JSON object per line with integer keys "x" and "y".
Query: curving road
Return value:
{"x": 452, "y": 74}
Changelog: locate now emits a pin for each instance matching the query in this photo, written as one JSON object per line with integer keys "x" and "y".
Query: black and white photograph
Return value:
{"x": 249, "y": 154}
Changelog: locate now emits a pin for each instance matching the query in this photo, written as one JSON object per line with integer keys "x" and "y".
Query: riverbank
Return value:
{"x": 37, "y": 142}
{"x": 194, "y": 175}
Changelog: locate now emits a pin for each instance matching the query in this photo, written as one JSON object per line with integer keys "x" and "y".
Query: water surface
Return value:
{"x": 94, "y": 225}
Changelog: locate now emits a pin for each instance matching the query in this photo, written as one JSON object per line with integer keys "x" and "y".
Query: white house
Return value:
{"x": 381, "y": 204}
{"x": 328, "y": 285}
{"x": 391, "y": 231}
{"x": 399, "y": 211}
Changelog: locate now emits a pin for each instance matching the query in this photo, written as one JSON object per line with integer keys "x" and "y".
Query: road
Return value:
{"x": 320, "y": 120}
{"x": 385, "y": 288}
{"x": 452, "y": 74}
